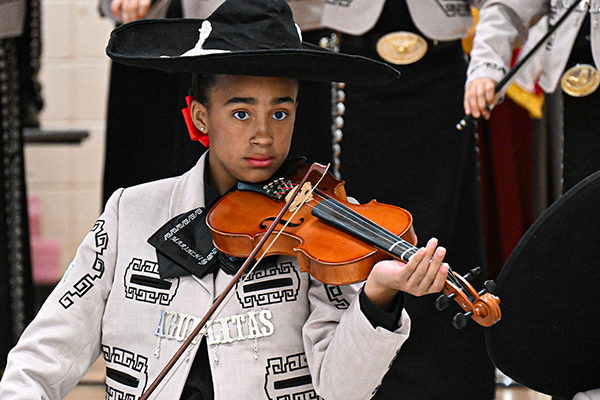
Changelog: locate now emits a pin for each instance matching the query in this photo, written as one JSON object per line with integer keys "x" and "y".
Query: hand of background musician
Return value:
{"x": 479, "y": 94}
{"x": 130, "y": 10}
{"x": 425, "y": 273}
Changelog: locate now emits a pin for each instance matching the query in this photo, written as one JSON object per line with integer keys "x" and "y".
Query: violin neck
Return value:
{"x": 347, "y": 220}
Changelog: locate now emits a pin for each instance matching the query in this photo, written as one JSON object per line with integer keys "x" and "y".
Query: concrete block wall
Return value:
{"x": 74, "y": 74}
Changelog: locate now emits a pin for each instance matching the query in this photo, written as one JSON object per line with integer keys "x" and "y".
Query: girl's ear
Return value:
{"x": 199, "y": 115}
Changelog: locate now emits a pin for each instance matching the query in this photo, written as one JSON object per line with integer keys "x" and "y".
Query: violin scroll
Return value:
{"x": 483, "y": 307}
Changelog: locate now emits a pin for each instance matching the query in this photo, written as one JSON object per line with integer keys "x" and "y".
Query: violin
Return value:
{"x": 335, "y": 241}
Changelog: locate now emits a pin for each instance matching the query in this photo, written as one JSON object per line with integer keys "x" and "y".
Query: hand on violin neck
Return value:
{"x": 425, "y": 273}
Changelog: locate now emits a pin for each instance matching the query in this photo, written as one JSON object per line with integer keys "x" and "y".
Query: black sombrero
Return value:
{"x": 241, "y": 37}
{"x": 548, "y": 338}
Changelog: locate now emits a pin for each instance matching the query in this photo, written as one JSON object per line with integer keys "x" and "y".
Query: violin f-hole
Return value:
{"x": 282, "y": 221}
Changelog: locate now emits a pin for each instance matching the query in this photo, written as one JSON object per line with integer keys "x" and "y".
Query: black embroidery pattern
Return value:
{"x": 488, "y": 65}
{"x": 552, "y": 20}
{"x": 289, "y": 378}
{"x": 81, "y": 287}
{"x": 270, "y": 285}
{"x": 455, "y": 8}
{"x": 336, "y": 297}
{"x": 126, "y": 373}
{"x": 143, "y": 283}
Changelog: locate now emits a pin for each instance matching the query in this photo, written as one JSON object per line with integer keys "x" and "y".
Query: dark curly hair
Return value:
{"x": 201, "y": 85}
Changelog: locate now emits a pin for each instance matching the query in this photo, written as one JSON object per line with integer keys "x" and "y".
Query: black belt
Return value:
{"x": 448, "y": 54}
{"x": 368, "y": 42}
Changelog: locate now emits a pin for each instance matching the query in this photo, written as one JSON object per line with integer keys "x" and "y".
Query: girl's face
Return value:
{"x": 249, "y": 122}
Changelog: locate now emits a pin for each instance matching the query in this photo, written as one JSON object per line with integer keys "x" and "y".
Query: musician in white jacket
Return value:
{"x": 569, "y": 63}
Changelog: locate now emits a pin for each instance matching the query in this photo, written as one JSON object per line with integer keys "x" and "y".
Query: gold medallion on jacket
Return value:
{"x": 401, "y": 48}
{"x": 581, "y": 80}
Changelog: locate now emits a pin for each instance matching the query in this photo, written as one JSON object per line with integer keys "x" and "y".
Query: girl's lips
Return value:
{"x": 260, "y": 161}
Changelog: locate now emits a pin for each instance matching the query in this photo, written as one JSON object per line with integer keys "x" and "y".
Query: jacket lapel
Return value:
{"x": 188, "y": 194}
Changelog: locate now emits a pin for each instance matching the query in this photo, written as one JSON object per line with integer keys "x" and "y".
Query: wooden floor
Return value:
{"x": 92, "y": 388}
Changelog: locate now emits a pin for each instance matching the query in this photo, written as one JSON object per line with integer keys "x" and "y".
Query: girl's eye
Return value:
{"x": 279, "y": 115}
{"x": 241, "y": 115}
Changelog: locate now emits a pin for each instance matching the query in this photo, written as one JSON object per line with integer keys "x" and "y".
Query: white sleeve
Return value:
{"x": 589, "y": 395}
{"x": 347, "y": 356}
{"x": 63, "y": 340}
{"x": 503, "y": 25}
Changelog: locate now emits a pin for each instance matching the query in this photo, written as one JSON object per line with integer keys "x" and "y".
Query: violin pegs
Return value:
{"x": 460, "y": 320}
{"x": 472, "y": 273}
{"x": 491, "y": 286}
{"x": 443, "y": 301}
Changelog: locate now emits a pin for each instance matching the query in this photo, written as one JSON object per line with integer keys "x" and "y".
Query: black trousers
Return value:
{"x": 581, "y": 138}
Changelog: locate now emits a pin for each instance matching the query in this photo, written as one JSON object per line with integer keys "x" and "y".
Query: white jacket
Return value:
{"x": 438, "y": 20}
{"x": 112, "y": 303}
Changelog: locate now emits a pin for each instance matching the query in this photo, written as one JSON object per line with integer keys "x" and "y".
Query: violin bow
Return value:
{"x": 163, "y": 373}
{"x": 510, "y": 77}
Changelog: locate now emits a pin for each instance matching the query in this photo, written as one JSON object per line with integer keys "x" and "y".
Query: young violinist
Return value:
{"x": 147, "y": 272}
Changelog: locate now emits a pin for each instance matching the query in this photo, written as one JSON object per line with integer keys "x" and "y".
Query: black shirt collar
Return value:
{"x": 184, "y": 244}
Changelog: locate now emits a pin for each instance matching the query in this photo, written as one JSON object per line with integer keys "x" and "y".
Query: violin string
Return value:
{"x": 376, "y": 230}
{"x": 386, "y": 235}
{"x": 339, "y": 207}
{"x": 355, "y": 219}
{"x": 359, "y": 222}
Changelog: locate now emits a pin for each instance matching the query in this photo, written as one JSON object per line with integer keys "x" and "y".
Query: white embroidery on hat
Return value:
{"x": 197, "y": 50}
{"x": 299, "y": 31}
{"x": 205, "y": 31}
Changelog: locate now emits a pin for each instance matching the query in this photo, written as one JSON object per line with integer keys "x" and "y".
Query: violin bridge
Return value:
{"x": 302, "y": 197}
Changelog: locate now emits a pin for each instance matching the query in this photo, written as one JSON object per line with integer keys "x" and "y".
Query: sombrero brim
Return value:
{"x": 153, "y": 44}
{"x": 548, "y": 338}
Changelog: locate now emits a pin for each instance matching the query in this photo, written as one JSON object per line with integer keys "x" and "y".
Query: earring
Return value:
{"x": 201, "y": 129}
